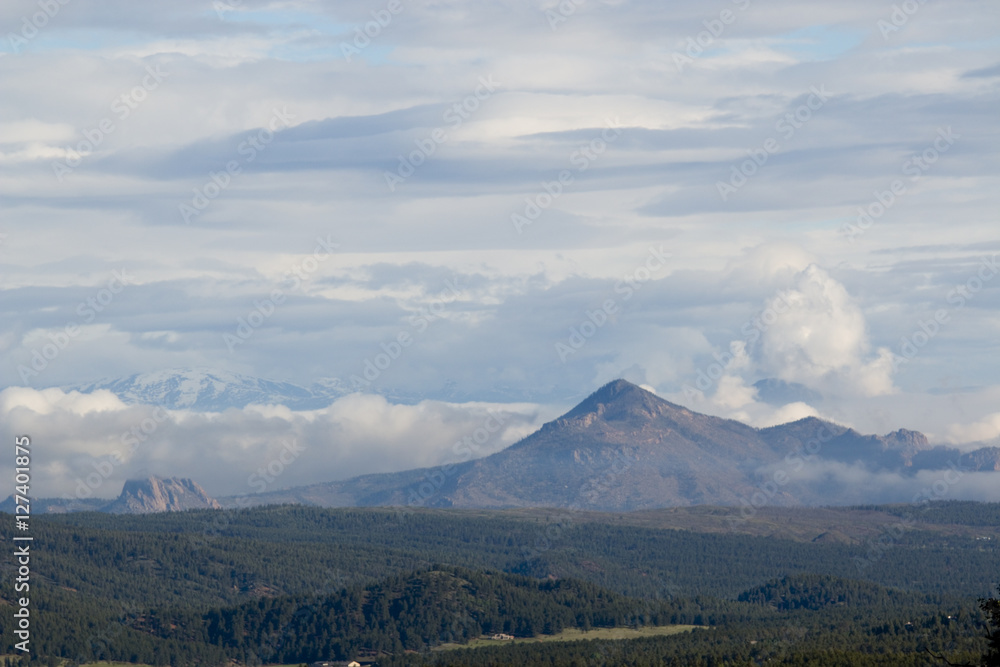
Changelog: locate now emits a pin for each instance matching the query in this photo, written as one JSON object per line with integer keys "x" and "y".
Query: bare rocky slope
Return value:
{"x": 155, "y": 494}
{"x": 624, "y": 448}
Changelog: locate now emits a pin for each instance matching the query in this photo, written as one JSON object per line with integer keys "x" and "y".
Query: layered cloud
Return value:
{"x": 490, "y": 189}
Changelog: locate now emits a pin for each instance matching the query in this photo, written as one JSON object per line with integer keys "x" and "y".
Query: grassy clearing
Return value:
{"x": 575, "y": 635}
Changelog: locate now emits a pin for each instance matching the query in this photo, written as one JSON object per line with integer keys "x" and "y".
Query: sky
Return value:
{"x": 503, "y": 205}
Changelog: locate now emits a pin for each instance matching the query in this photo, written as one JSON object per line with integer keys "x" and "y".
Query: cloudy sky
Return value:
{"x": 516, "y": 201}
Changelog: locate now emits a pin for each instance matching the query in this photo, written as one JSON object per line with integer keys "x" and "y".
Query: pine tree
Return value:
{"x": 992, "y": 608}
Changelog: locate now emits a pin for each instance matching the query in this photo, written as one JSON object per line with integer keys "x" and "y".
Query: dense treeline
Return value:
{"x": 817, "y": 592}
{"x": 833, "y": 625}
{"x": 297, "y": 583}
{"x": 82, "y": 629}
{"x": 415, "y": 612}
{"x": 297, "y": 550}
{"x": 991, "y": 607}
{"x": 960, "y": 512}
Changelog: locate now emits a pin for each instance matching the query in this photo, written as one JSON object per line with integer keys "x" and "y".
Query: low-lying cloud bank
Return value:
{"x": 87, "y": 445}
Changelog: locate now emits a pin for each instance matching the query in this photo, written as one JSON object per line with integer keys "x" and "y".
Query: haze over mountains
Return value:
{"x": 139, "y": 496}
{"x": 622, "y": 449}
{"x": 214, "y": 390}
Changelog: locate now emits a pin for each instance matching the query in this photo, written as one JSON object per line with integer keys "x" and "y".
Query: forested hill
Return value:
{"x": 204, "y": 586}
{"x": 412, "y": 612}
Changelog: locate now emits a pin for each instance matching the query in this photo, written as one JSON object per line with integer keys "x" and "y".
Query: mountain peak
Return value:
{"x": 620, "y": 399}
{"x": 156, "y": 494}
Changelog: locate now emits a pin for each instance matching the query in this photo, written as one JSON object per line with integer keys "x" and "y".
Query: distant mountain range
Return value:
{"x": 624, "y": 448}
{"x": 621, "y": 449}
{"x": 213, "y": 390}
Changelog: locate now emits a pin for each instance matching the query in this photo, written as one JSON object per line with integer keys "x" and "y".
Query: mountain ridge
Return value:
{"x": 624, "y": 449}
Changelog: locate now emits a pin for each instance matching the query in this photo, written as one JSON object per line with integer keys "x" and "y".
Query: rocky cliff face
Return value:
{"x": 155, "y": 494}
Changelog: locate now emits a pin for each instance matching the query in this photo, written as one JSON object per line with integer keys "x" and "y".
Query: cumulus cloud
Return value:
{"x": 97, "y": 438}
{"x": 983, "y": 430}
{"x": 522, "y": 293}
{"x": 819, "y": 338}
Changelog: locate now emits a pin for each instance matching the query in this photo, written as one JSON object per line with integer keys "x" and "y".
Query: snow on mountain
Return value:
{"x": 213, "y": 390}
{"x": 210, "y": 390}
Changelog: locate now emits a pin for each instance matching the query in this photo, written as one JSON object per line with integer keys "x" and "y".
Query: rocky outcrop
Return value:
{"x": 155, "y": 494}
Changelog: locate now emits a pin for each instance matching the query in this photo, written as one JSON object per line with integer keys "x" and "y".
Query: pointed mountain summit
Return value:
{"x": 621, "y": 448}
{"x": 620, "y": 400}
{"x": 625, "y": 448}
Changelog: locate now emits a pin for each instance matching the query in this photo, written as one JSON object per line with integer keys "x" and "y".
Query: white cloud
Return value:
{"x": 820, "y": 339}
{"x": 986, "y": 429}
{"x": 683, "y": 132}
{"x": 75, "y": 433}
